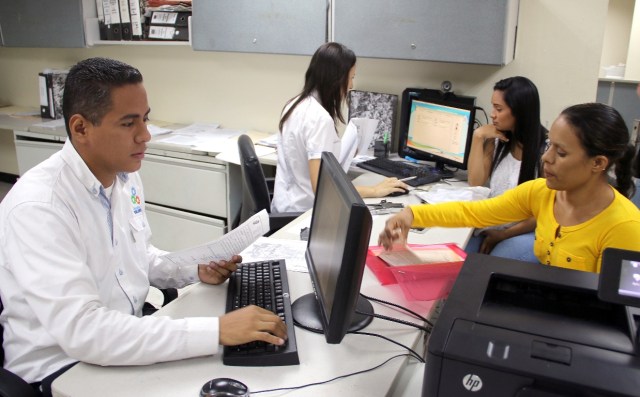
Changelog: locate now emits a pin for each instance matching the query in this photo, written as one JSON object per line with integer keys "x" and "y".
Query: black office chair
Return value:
{"x": 255, "y": 192}
{"x": 11, "y": 385}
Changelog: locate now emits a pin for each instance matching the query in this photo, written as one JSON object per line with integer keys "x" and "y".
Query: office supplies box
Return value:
{"x": 429, "y": 276}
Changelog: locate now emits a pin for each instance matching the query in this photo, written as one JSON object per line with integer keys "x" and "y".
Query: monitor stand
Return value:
{"x": 306, "y": 314}
{"x": 444, "y": 172}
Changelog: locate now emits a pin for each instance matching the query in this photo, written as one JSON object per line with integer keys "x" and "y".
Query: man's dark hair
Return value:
{"x": 87, "y": 89}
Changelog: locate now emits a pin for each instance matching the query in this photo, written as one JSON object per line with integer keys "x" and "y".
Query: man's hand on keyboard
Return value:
{"x": 218, "y": 272}
{"x": 252, "y": 323}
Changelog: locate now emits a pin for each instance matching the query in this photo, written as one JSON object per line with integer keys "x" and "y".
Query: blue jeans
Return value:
{"x": 517, "y": 247}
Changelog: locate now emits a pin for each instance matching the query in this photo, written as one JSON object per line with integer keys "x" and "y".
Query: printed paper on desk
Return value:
{"x": 348, "y": 145}
{"x": 154, "y": 130}
{"x": 226, "y": 246}
{"x": 271, "y": 141}
{"x": 265, "y": 248}
{"x": 197, "y": 128}
{"x": 442, "y": 193}
{"x": 53, "y": 124}
{"x": 408, "y": 256}
{"x": 356, "y": 139}
{"x": 366, "y": 129}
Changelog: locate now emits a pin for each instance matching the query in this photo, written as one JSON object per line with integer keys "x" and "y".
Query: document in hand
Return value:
{"x": 226, "y": 246}
{"x": 424, "y": 272}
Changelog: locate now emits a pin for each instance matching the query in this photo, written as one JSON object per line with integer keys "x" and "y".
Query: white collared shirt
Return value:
{"x": 73, "y": 288}
{"x": 307, "y": 133}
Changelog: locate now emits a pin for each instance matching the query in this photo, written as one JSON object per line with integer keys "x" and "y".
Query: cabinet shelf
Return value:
{"x": 92, "y": 32}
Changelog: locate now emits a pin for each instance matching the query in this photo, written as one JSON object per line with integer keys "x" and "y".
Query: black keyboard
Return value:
{"x": 423, "y": 173}
{"x": 262, "y": 284}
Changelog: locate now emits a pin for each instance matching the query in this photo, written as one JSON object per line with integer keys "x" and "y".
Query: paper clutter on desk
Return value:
{"x": 154, "y": 130}
{"x": 270, "y": 141}
{"x": 442, "y": 193}
{"x": 423, "y": 272}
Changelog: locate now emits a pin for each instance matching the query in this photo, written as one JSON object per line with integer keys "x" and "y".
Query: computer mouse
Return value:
{"x": 224, "y": 387}
{"x": 400, "y": 193}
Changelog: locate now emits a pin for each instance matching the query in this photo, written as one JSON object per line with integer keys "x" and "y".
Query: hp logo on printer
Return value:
{"x": 472, "y": 382}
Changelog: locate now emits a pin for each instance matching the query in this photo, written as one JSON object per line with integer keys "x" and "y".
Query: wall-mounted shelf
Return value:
{"x": 92, "y": 36}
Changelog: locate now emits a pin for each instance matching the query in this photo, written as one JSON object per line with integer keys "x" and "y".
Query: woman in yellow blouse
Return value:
{"x": 578, "y": 212}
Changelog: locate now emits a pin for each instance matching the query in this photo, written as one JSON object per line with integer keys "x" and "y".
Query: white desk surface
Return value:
{"x": 19, "y": 117}
{"x": 319, "y": 361}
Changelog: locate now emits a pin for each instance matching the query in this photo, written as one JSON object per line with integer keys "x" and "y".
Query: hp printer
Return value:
{"x": 511, "y": 328}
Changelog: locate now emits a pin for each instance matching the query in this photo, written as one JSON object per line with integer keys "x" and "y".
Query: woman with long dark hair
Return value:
{"x": 308, "y": 127}
{"x": 505, "y": 154}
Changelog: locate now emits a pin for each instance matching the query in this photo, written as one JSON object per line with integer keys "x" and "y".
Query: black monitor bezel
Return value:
{"x": 351, "y": 272}
{"x": 610, "y": 272}
{"x": 439, "y": 98}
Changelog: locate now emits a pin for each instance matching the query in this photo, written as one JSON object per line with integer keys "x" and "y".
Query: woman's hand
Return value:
{"x": 489, "y": 131}
{"x": 491, "y": 239}
{"x": 396, "y": 229}
{"x": 218, "y": 272}
{"x": 384, "y": 188}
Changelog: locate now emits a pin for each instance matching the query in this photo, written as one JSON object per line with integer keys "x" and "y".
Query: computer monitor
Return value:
{"x": 335, "y": 255}
{"x": 437, "y": 129}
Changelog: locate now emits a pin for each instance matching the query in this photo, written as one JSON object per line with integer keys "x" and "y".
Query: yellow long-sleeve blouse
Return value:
{"x": 576, "y": 247}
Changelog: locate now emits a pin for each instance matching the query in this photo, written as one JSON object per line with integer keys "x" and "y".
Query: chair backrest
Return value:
{"x": 255, "y": 192}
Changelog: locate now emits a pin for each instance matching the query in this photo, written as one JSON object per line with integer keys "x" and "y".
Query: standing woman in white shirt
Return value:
{"x": 308, "y": 128}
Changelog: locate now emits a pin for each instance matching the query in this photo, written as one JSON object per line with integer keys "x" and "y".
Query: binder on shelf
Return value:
{"x": 125, "y": 20}
{"x": 51, "y": 87}
{"x": 58, "y": 78}
{"x": 46, "y": 94}
{"x": 112, "y": 19}
{"x": 176, "y": 33}
{"x": 101, "y": 25}
{"x": 173, "y": 18}
{"x": 135, "y": 11}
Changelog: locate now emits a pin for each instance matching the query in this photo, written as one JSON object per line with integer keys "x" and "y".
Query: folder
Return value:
{"x": 135, "y": 11}
{"x": 112, "y": 19}
{"x": 177, "y": 33}
{"x": 58, "y": 79}
{"x": 173, "y": 18}
{"x": 46, "y": 95}
{"x": 101, "y": 25}
{"x": 125, "y": 20}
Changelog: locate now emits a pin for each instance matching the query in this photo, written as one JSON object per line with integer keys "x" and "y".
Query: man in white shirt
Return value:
{"x": 75, "y": 255}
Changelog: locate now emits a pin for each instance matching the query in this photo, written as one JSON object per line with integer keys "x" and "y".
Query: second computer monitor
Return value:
{"x": 438, "y": 131}
{"x": 336, "y": 254}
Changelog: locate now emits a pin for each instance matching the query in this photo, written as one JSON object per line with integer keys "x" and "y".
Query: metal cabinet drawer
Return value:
{"x": 174, "y": 230}
{"x": 32, "y": 152}
{"x": 185, "y": 184}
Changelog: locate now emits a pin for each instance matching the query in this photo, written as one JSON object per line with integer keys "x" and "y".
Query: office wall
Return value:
{"x": 559, "y": 47}
{"x": 633, "y": 56}
{"x": 617, "y": 32}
